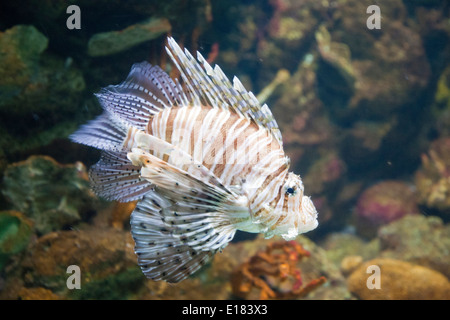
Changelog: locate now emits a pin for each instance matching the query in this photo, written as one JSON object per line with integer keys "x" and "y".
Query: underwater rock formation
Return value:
{"x": 107, "y": 43}
{"x": 393, "y": 54}
{"x": 339, "y": 245}
{"x": 441, "y": 106}
{"x": 53, "y": 195}
{"x": 433, "y": 177}
{"x": 37, "y": 294}
{"x": 419, "y": 240}
{"x": 399, "y": 280}
{"x": 40, "y": 94}
{"x": 15, "y": 233}
{"x": 324, "y": 172}
{"x": 101, "y": 255}
{"x": 382, "y": 203}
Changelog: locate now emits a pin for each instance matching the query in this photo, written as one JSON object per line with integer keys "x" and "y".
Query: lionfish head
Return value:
{"x": 299, "y": 211}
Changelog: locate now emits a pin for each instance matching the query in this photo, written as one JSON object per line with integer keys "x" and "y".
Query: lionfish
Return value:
{"x": 203, "y": 158}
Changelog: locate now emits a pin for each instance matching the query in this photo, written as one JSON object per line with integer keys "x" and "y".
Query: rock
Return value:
{"x": 417, "y": 239}
{"x": 15, "y": 233}
{"x": 101, "y": 254}
{"x": 399, "y": 280}
{"x": 40, "y": 94}
{"x": 341, "y": 245}
{"x": 350, "y": 263}
{"x": 441, "y": 106}
{"x": 107, "y": 43}
{"x": 53, "y": 195}
{"x": 382, "y": 203}
{"x": 324, "y": 172}
{"x": 336, "y": 72}
{"x": 37, "y": 294}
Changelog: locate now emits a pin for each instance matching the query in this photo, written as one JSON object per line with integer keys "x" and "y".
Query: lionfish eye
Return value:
{"x": 290, "y": 191}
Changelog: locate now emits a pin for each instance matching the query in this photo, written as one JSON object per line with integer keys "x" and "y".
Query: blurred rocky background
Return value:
{"x": 365, "y": 117}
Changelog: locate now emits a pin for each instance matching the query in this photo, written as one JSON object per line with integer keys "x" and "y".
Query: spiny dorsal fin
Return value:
{"x": 146, "y": 91}
{"x": 210, "y": 86}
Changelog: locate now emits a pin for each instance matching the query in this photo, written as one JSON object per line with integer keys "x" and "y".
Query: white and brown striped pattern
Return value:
{"x": 205, "y": 162}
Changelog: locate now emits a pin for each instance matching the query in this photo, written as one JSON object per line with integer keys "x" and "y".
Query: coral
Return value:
{"x": 15, "y": 233}
{"x": 382, "y": 203}
{"x": 51, "y": 194}
{"x": 417, "y": 239}
{"x": 268, "y": 270}
{"x": 399, "y": 280}
{"x": 107, "y": 43}
{"x": 433, "y": 177}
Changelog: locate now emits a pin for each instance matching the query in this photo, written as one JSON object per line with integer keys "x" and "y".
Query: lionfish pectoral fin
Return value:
{"x": 105, "y": 133}
{"x": 180, "y": 225}
{"x": 172, "y": 177}
{"x": 113, "y": 177}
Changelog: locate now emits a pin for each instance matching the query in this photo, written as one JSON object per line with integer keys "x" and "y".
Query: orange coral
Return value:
{"x": 274, "y": 273}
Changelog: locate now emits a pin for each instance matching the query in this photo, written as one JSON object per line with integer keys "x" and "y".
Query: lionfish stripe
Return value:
{"x": 212, "y": 87}
{"x": 114, "y": 178}
{"x": 246, "y": 153}
{"x": 227, "y": 151}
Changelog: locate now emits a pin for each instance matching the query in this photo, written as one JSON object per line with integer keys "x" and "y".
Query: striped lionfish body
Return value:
{"x": 203, "y": 162}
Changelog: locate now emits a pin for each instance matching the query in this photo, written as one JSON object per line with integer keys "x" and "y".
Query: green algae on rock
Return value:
{"x": 53, "y": 195}
{"x": 40, "y": 93}
{"x": 15, "y": 233}
{"x": 107, "y": 43}
{"x": 100, "y": 254}
{"x": 418, "y": 239}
